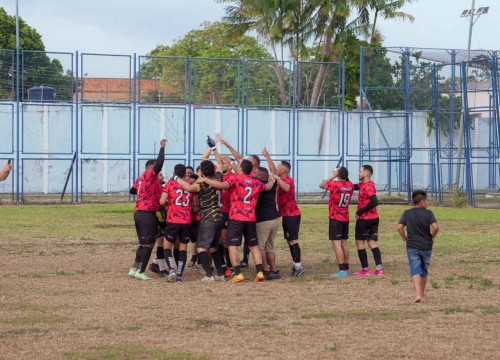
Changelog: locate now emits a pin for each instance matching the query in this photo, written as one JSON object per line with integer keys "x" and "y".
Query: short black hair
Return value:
{"x": 263, "y": 169}
{"x": 180, "y": 170}
{"x": 256, "y": 159}
{"x": 343, "y": 173}
{"x": 150, "y": 164}
{"x": 198, "y": 168}
{"x": 207, "y": 168}
{"x": 286, "y": 164}
{"x": 369, "y": 168}
{"x": 246, "y": 166}
{"x": 417, "y": 196}
{"x": 194, "y": 176}
{"x": 190, "y": 167}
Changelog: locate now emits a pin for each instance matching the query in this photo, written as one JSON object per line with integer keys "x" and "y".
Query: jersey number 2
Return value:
{"x": 248, "y": 189}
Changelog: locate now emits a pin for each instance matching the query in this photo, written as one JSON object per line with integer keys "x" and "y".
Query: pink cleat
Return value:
{"x": 363, "y": 272}
{"x": 379, "y": 272}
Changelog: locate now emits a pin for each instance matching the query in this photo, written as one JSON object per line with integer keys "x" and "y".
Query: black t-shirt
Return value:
{"x": 418, "y": 222}
{"x": 266, "y": 205}
{"x": 208, "y": 198}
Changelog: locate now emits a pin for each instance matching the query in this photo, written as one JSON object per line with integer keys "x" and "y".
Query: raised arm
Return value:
{"x": 323, "y": 183}
{"x": 233, "y": 151}
{"x": 270, "y": 162}
{"x": 206, "y": 153}
{"x": 161, "y": 157}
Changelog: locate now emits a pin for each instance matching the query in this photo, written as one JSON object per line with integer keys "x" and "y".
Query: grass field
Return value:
{"x": 65, "y": 294}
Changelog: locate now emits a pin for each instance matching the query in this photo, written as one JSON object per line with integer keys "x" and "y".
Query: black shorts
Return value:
{"x": 173, "y": 230}
{"x": 195, "y": 225}
{"x": 225, "y": 220}
{"x": 208, "y": 236}
{"x": 146, "y": 224}
{"x": 236, "y": 229}
{"x": 338, "y": 230}
{"x": 367, "y": 229}
{"x": 160, "y": 229}
{"x": 291, "y": 227}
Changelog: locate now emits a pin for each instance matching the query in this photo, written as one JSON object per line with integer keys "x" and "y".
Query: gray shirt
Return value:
{"x": 418, "y": 222}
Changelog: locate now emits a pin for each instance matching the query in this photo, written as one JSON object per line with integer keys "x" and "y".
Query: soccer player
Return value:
{"x": 340, "y": 198}
{"x": 178, "y": 222}
{"x": 244, "y": 193}
{"x": 211, "y": 216}
{"x": 255, "y": 160}
{"x": 267, "y": 216}
{"x": 226, "y": 202}
{"x": 422, "y": 229}
{"x": 147, "y": 204}
{"x": 367, "y": 222}
{"x": 288, "y": 209}
{"x": 6, "y": 169}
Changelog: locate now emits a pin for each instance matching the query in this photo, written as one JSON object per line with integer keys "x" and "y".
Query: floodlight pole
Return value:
{"x": 461, "y": 130}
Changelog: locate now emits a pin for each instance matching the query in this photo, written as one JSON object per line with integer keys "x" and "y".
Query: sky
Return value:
{"x": 128, "y": 26}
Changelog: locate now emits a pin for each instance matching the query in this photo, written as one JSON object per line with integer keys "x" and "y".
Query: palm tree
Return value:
{"x": 387, "y": 10}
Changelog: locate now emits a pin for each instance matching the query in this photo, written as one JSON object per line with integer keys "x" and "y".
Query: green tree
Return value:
{"x": 39, "y": 69}
{"x": 216, "y": 51}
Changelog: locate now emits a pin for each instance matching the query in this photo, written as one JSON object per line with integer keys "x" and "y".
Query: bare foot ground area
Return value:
{"x": 65, "y": 294}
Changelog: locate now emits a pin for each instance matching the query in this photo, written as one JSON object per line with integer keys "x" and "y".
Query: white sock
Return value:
{"x": 155, "y": 261}
{"x": 297, "y": 265}
{"x": 162, "y": 264}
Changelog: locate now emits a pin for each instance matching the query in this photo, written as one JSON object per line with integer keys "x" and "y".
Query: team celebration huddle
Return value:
{"x": 236, "y": 202}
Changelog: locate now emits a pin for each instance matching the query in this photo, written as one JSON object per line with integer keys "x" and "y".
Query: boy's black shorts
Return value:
{"x": 173, "y": 230}
{"x": 236, "y": 229}
{"x": 291, "y": 227}
{"x": 146, "y": 225}
{"x": 195, "y": 225}
{"x": 366, "y": 229}
{"x": 338, "y": 230}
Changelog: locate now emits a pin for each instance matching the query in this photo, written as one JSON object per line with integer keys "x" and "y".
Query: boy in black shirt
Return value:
{"x": 422, "y": 228}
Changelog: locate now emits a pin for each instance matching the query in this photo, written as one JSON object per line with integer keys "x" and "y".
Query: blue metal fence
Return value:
{"x": 110, "y": 111}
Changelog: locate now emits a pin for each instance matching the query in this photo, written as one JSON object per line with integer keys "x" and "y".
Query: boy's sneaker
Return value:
{"x": 207, "y": 279}
{"x": 244, "y": 264}
{"x": 202, "y": 270}
{"x": 379, "y": 272}
{"x": 141, "y": 276}
{"x": 132, "y": 272}
{"x": 275, "y": 275}
{"x": 219, "y": 278}
{"x": 228, "y": 273}
{"x": 237, "y": 278}
{"x": 171, "y": 276}
{"x": 154, "y": 268}
{"x": 340, "y": 273}
{"x": 363, "y": 272}
{"x": 191, "y": 264}
{"x": 178, "y": 279}
{"x": 260, "y": 276}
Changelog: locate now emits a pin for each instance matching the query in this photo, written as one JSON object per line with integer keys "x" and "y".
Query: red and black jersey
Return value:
{"x": 287, "y": 205}
{"x": 148, "y": 191}
{"x": 179, "y": 203}
{"x": 226, "y": 194}
{"x": 366, "y": 190}
{"x": 244, "y": 195}
{"x": 340, "y": 198}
